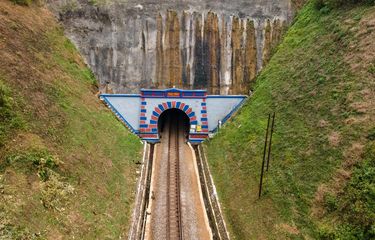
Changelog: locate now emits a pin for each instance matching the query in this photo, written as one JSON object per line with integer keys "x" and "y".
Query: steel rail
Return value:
{"x": 174, "y": 223}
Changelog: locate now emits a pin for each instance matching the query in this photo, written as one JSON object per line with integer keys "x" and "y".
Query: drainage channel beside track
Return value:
{"x": 213, "y": 208}
{"x": 139, "y": 215}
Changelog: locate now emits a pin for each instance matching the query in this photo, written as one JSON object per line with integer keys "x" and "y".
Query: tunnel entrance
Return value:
{"x": 175, "y": 116}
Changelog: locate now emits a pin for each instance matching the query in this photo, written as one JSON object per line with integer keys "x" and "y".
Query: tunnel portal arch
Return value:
{"x": 154, "y": 102}
{"x": 176, "y": 116}
{"x": 141, "y": 112}
{"x": 149, "y": 129}
{"x": 165, "y": 106}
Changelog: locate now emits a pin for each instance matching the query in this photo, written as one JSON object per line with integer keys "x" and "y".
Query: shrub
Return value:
{"x": 371, "y": 68}
{"x": 5, "y": 101}
{"x": 330, "y": 202}
{"x": 8, "y": 118}
{"x": 22, "y": 2}
{"x": 69, "y": 6}
{"x": 371, "y": 134}
{"x": 356, "y": 204}
{"x": 29, "y": 162}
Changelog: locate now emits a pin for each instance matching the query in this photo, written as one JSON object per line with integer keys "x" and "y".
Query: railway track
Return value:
{"x": 176, "y": 209}
{"x": 174, "y": 223}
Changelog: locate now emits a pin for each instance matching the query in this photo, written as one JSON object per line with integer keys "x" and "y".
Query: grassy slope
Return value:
{"x": 325, "y": 105}
{"x": 66, "y": 164}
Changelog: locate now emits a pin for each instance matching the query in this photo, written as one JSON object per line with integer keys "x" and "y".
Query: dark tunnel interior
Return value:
{"x": 176, "y": 116}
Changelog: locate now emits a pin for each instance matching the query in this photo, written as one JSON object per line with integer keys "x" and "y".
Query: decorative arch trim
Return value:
{"x": 173, "y": 105}
{"x": 149, "y": 127}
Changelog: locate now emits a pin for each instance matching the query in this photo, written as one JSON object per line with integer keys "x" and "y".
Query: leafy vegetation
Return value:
{"x": 326, "y": 5}
{"x": 324, "y": 110}
{"x": 98, "y": 2}
{"x": 40, "y": 161}
{"x": 355, "y": 204}
{"x": 69, "y": 6}
{"x": 8, "y": 117}
{"x": 22, "y": 2}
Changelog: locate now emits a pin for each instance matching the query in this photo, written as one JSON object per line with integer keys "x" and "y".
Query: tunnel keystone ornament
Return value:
{"x": 141, "y": 112}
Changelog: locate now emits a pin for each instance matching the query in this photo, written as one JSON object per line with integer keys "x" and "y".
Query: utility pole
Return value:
{"x": 270, "y": 143}
{"x": 264, "y": 157}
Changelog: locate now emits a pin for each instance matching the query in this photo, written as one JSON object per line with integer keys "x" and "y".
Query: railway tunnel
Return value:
{"x": 172, "y": 205}
{"x": 145, "y": 113}
{"x": 177, "y": 119}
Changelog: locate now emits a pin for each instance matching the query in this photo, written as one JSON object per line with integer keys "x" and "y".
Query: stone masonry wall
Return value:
{"x": 212, "y": 44}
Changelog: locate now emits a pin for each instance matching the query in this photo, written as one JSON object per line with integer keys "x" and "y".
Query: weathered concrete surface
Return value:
{"x": 218, "y": 45}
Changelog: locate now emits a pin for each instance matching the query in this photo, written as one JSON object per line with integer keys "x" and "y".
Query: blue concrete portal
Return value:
{"x": 141, "y": 112}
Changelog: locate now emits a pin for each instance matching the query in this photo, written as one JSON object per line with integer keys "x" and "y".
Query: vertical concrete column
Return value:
{"x": 204, "y": 118}
{"x": 143, "y": 119}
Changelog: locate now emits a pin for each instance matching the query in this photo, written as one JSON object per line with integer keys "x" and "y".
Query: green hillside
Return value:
{"x": 321, "y": 84}
{"x": 67, "y": 166}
